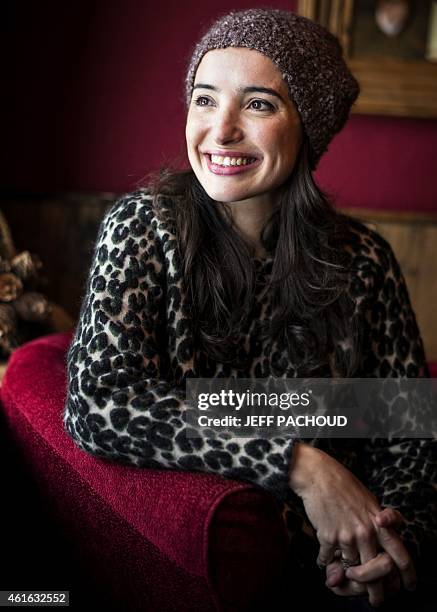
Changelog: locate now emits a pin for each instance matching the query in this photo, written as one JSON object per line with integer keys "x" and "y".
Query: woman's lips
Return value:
{"x": 228, "y": 170}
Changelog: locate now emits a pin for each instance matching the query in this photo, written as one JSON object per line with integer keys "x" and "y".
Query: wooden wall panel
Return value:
{"x": 62, "y": 231}
{"x": 414, "y": 242}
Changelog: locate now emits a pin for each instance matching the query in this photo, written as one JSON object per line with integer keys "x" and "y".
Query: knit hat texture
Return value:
{"x": 308, "y": 56}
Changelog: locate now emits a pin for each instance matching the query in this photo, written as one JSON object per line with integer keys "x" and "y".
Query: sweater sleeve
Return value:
{"x": 402, "y": 473}
{"x": 122, "y": 402}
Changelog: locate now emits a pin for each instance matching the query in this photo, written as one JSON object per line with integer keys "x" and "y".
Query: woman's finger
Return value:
{"x": 335, "y": 581}
{"x": 368, "y": 553}
{"x": 326, "y": 554}
{"x": 350, "y": 589}
{"x": 392, "y": 544}
{"x": 349, "y": 552}
{"x": 376, "y": 568}
{"x": 334, "y": 574}
{"x": 389, "y": 517}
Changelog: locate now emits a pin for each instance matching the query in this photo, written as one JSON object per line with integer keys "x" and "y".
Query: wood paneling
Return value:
{"x": 414, "y": 242}
{"x": 62, "y": 231}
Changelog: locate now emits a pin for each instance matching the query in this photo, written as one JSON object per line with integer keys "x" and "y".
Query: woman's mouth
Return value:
{"x": 226, "y": 165}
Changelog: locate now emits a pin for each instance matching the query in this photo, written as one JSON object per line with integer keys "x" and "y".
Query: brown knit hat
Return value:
{"x": 310, "y": 60}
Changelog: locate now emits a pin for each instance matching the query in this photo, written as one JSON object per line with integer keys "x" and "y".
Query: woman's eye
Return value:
{"x": 202, "y": 101}
{"x": 261, "y": 105}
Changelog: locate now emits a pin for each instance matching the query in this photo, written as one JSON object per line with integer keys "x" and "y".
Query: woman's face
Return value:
{"x": 243, "y": 132}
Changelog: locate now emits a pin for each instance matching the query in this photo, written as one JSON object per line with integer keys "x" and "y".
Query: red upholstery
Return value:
{"x": 157, "y": 540}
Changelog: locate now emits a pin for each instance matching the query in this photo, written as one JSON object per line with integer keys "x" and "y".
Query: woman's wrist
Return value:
{"x": 304, "y": 467}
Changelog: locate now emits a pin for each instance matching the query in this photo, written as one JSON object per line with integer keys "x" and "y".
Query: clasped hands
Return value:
{"x": 351, "y": 525}
{"x": 376, "y": 575}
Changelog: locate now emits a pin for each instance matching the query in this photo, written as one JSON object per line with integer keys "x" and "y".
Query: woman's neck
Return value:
{"x": 249, "y": 217}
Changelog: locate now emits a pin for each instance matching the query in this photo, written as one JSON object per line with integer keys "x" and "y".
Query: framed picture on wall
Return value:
{"x": 390, "y": 46}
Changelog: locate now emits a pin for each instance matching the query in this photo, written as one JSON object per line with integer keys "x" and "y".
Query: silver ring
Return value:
{"x": 346, "y": 563}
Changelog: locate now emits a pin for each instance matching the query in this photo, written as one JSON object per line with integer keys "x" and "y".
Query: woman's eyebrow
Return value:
{"x": 248, "y": 89}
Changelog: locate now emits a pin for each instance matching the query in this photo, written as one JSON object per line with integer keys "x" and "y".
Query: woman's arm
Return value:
{"x": 122, "y": 403}
{"x": 401, "y": 473}
{"x": 342, "y": 509}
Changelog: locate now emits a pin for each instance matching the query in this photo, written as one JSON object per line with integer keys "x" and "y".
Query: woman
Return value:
{"x": 240, "y": 267}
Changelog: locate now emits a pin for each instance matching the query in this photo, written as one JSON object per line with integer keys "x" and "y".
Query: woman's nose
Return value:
{"x": 227, "y": 127}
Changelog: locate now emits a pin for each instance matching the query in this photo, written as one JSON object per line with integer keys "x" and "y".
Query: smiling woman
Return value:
{"x": 240, "y": 267}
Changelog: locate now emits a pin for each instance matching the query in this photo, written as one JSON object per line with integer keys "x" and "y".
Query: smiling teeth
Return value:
{"x": 231, "y": 161}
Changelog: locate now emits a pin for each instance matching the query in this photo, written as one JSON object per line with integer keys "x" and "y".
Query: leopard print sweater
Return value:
{"x": 133, "y": 351}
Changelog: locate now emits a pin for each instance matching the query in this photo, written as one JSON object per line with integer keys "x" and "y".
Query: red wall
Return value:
{"x": 97, "y": 102}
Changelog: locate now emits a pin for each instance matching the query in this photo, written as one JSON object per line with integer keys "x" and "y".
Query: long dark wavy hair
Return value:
{"x": 311, "y": 310}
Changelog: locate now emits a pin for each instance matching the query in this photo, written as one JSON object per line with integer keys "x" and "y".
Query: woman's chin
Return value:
{"x": 227, "y": 195}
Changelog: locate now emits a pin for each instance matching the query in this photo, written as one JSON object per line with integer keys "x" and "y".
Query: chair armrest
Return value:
{"x": 203, "y": 523}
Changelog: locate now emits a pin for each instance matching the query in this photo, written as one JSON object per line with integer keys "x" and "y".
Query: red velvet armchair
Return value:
{"x": 152, "y": 540}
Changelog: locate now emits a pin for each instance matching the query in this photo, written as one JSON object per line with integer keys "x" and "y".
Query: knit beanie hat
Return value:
{"x": 308, "y": 56}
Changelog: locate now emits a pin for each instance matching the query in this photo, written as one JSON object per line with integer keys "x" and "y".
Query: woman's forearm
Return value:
{"x": 304, "y": 467}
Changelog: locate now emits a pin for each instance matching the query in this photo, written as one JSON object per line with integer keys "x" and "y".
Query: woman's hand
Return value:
{"x": 343, "y": 512}
{"x": 356, "y": 582}
{"x": 353, "y": 581}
